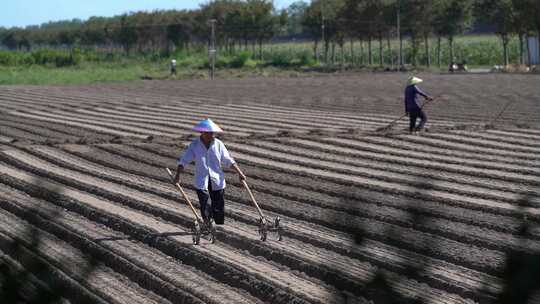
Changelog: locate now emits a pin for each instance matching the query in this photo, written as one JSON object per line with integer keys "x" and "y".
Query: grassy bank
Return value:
{"x": 189, "y": 66}
{"x": 96, "y": 73}
{"x": 83, "y": 74}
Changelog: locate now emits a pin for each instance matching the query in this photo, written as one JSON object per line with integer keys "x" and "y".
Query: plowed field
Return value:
{"x": 436, "y": 215}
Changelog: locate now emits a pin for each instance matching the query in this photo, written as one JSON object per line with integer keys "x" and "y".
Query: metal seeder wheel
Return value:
{"x": 196, "y": 233}
{"x": 209, "y": 231}
{"x": 266, "y": 225}
{"x": 206, "y": 230}
{"x": 199, "y": 228}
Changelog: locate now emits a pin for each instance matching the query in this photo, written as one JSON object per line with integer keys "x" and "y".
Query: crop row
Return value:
{"x": 288, "y": 251}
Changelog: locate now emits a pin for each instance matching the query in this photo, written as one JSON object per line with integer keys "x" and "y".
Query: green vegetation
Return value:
{"x": 357, "y": 34}
{"x": 46, "y": 57}
{"x": 81, "y": 67}
{"x": 39, "y": 75}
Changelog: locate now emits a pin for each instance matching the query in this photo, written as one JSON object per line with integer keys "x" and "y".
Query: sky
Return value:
{"x": 35, "y": 12}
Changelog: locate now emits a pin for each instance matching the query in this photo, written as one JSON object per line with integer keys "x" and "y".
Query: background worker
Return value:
{"x": 173, "y": 66}
{"x": 413, "y": 107}
{"x": 210, "y": 156}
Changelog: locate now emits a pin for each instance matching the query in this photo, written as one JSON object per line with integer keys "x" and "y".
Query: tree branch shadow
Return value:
{"x": 519, "y": 277}
{"x": 25, "y": 275}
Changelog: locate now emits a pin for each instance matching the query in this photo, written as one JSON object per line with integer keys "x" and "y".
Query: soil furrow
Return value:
{"x": 41, "y": 132}
{"x": 32, "y": 284}
{"x": 439, "y": 215}
{"x": 488, "y": 143}
{"x": 401, "y": 147}
{"x": 124, "y": 117}
{"x": 156, "y": 123}
{"x": 276, "y": 160}
{"x": 329, "y": 119}
{"x": 514, "y": 133}
{"x": 72, "y": 117}
{"x": 224, "y": 116}
{"x": 252, "y": 270}
{"x": 469, "y": 146}
{"x": 186, "y": 117}
{"x": 405, "y": 174}
{"x": 303, "y": 188}
{"x": 57, "y": 128}
{"x": 495, "y": 179}
{"x": 118, "y": 123}
{"x": 19, "y": 101}
{"x": 5, "y": 139}
{"x": 293, "y": 250}
{"x": 533, "y": 132}
{"x": 20, "y": 135}
{"x": 373, "y": 225}
{"x": 90, "y": 167}
{"x": 311, "y": 114}
{"x": 516, "y": 141}
{"x": 348, "y": 181}
{"x": 142, "y": 263}
{"x": 78, "y": 123}
{"x": 256, "y": 115}
{"x": 27, "y": 258}
{"x": 102, "y": 281}
{"x": 523, "y": 167}
{"x": 472, "y": 172}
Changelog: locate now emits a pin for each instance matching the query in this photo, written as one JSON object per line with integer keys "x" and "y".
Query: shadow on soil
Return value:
{"x": 150, "y": 236}
{"x": 25, "y": 274}
{"x": 25, "y": 277}
{"x": 521, "y": 272}
{"x": 520, "y": 283}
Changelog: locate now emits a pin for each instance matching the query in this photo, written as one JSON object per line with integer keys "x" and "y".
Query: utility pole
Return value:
{"x": 323, "y": 44}
{"x": 400, "y": 55}
{"x": 212, "y": 50}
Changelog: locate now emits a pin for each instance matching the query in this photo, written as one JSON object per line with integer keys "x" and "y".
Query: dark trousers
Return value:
{"x": 413, "y": 115}
{"x": 216, "y": 208}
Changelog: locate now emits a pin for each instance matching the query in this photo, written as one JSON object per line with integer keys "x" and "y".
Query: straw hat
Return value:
{"x": 413, "y": 80}
{"x": 207, "y": 125}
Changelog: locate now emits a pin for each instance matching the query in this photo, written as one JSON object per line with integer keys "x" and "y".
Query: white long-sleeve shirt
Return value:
{"x": 208, "y": 163}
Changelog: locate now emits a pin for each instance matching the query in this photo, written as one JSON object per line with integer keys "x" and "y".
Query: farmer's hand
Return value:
{"x": 430, "y": 98}
{"x": 179, "y": 169}
{"x": 241, "y": 175}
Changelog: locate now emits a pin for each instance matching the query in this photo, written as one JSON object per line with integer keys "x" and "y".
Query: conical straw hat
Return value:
{"x": 413, "y": 80}
{"x": 207, "y": 125}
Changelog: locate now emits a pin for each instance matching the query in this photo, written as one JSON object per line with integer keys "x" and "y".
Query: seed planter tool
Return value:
{"x": 265, "y": 224}
{"x": 200, "y": 228}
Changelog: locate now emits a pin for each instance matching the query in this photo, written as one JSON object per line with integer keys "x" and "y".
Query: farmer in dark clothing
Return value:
{"x": 413, "y": 107}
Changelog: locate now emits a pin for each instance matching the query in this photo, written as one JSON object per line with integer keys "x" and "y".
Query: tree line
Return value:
{"x": 333, "y": 22}
{"x": 330, "y": 24}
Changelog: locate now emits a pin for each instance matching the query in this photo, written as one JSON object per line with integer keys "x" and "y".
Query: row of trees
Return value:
{"x": 336, "y": 21}
{"x": 332, "y": 23}
{"x": 238, "y": 22}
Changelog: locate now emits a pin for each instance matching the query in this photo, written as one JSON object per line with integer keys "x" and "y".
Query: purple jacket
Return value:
{"x": 411, "y": 98}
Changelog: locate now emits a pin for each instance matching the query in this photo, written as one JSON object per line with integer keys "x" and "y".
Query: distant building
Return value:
{"x": 534, "y": 49}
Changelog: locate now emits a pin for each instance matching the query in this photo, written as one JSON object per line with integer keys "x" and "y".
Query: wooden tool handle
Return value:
{"x": 253, "y": 198}
{"x": 184, "y": 194}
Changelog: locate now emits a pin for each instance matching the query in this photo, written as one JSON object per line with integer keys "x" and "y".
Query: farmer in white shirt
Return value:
{"x": 210, "y": 156}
